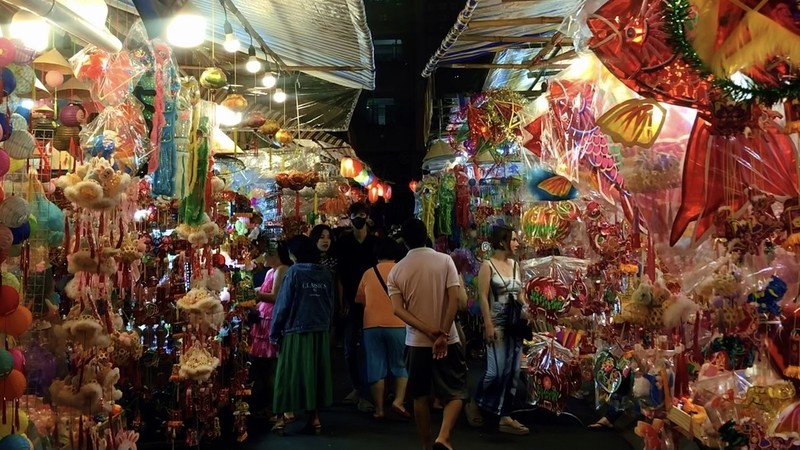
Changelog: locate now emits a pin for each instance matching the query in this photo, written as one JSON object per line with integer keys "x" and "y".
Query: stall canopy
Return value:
{"x": 322, "y": 50}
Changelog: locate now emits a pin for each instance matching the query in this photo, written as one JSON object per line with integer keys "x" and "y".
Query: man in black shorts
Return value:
{"x": 424, "y": 291}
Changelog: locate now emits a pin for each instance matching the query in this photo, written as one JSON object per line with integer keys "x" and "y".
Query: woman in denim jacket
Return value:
{"x": 301, "y": 323}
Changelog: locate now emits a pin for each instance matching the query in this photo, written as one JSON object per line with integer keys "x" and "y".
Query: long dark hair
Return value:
{"x": 316, "y": 234}
{"x": 282, "y": 249}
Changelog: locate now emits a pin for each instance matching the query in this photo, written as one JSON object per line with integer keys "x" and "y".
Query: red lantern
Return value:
{"x": 381, "y": 189}
{"x": 413, "y": 185}
{"x": 373, "y": 194}
{"x": 350, "y": 168}
{"x": 387, "y": 193}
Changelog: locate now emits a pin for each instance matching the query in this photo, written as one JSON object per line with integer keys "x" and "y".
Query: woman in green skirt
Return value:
{"x": 301, "y": 323}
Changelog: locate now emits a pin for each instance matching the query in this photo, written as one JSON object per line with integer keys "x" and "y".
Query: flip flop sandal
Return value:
{"x": 510, "y": 428}
{"x": 279, "y": 429}
{"x": 402, "y": 412}
{"x": 600, "y": 428}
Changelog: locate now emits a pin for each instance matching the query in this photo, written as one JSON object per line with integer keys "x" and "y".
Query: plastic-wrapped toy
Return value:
{"x": 117, "y": 133}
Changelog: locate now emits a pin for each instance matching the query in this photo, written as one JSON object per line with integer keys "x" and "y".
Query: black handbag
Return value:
{"x": 516, "y": 325}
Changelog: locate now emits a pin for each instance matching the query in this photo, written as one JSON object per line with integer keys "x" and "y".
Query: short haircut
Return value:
{"x": 357, "y": 208}
{"x": 501, "y": 237}
{"x": 414, "y": 233}
{"x": 303, "y": 249}
{"x": 386, "y": 248}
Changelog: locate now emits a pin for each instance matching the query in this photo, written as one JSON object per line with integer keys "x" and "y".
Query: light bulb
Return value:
{"x": 269, "y": 81}
{"x": 187, "y": 29}
{"x": 253, "y": 64}
{"x": 32, "y": 30}
{"x": 279, "y": 96}
{"x": 227, "y": 118}
{"x": 231, "y": 44}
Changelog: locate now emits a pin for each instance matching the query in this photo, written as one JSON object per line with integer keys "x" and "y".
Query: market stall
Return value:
{"x": 134, "y": 169}
{"x": 657, "y": 187}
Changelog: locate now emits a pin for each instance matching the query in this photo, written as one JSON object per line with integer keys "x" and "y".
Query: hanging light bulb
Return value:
{"x": 187, "y": 29}
{"x": 32, "y": 30}
{"x": 253, "y": 64}
{"x": 270, "y": 80}
{"x": 279, "y": 96}
{"x": 231, "y": 44}
{"x": 227, "y": 117}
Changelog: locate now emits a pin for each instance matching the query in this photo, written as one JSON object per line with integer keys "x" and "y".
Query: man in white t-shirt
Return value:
{"x": 424, "y": 291}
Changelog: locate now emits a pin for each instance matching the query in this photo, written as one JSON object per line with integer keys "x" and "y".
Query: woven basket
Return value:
{"x": 62, "y": 137}
{"x": 20, "y": 145}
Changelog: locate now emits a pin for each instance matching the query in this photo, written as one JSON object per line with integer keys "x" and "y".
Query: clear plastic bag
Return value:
{"x": 553, "y": 375}
{"x": 118, "y": 132}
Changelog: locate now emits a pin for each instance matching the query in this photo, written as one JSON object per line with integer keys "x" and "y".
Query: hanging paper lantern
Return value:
{"x": 634, "y": 122}
{"x": 381, "y": 189}
{"x": 213, "y": 78}
{"x": 63, "y": 136}
{"x": 413, "y": 185}
{"x": 372, "y": 194}
{"x": 5, "y": 127}
{"x": 12, "y": 386}
{"x": 20, "y": 145}
{"x": 284, "y": 137}
{"x": 9, "y": 81}
{"x": 235, "y": 102}
{"x": 54, "y": 78}
{"x": 369, "y": 180}
{"x": 5, "y": 163}
{"x": 9, "y": 299}
{"x": 9, "y": 279}
{"x": 18, "y": 359}
{"x": 14, "y": 211}
{"x": 6, "y": 238}
{"x": 254, "y": 119}
{"x": 7, "y": 52}
{"x": 21, "y": 233}
{"x": 15, "y": 441}
{"x": 23, "y": 55}
{"x": 362, "y": 177}
{"x": 6, "y": 362}
{"x": 270, "y": 127}
{"x": 17, "y": 323}
{"x": 72, "y": 115}
{"x": 387, "y": 193}
{"x": 350, "y": 168}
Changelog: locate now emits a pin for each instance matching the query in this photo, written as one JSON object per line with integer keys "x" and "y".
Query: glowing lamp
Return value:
{"x": 32, "y": 30}
{"x": 634, "y": 122}
{"x": 187, "y": 29}
{"x": 379, "y": 187}
{"x": 362, "y": 177}
{"x": 279, "y": 96}
{"x": 413, "y": 185}
{"x": 253, "y": 64}
{"x": 270, "y": 80}
{"x": 373, "y": 196}
{"x": 350, "y": 168}
{"x": 387, "y": 193}
{"x": 228, "y": 118}
{"x": 231, "y": 44}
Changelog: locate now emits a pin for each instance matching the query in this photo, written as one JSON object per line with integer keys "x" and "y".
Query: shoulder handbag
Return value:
{"x": 516, "y": 325}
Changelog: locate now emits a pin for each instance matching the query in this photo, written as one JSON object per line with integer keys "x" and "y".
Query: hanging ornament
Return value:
{"x": 254, "y": 119}
{"x": 54, "y": 78}
{"x": 413, "y": 185}
{"x": 213, "y": 78}
{"x": 373, "y": 196}
{"x": 235, "y": 102}
{"x": 350, "y": 168}
{"x": 387, "y": 193}
{"x": 269, "y": 127}
{"x": 9, "y": 82}
{"x": 284, "y": 137}
{"x": 72, "y": 115}
{"x": 7, "y": 52}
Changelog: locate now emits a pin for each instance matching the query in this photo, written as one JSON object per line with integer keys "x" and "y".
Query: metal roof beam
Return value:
{"x": 496, "y": 23}
{"x": 511, "y": 39}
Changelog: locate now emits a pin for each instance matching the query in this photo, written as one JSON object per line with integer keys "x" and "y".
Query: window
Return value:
{"x": 388, "y": 49}
{"x": 380, "y": 111}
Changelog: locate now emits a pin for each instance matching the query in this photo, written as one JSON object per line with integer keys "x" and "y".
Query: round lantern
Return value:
{"x": 18, "y": 122}
{"x": 6, "y": 238}
{"x": 213, "y": 78}
{"x": 13, "y": 385}
{"x": 254, "y": 119}
{"x": 72, "y": 115}
{"x": 235, "y": 102}
{"x": 63, "y": 136}
{"x": 18, "y": 359}
{"x": 9, "y": 279}
{"x": 387, "y": 193}
{"x": 413, "y": 185}
{"x": 9, "y": 299}
{"x": 15, "y": 441}
{"x": 9, "y": 81}
{"x": 21, "y": 233}
{"x": 5, "y": 127}
{"x": 5, "y": 163}
{"x": 23, "y": 55}
{"x": 17, "y": 323}
{"x": 284, "y": 137}
{"x": 14, "y": 212}
{"x": 54, "y": 78}
{"x": 6, "y": 362}
{"x": 20, "y": 145}
{"x": 269, "y": 127}
{"x": 7, "y": 52}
